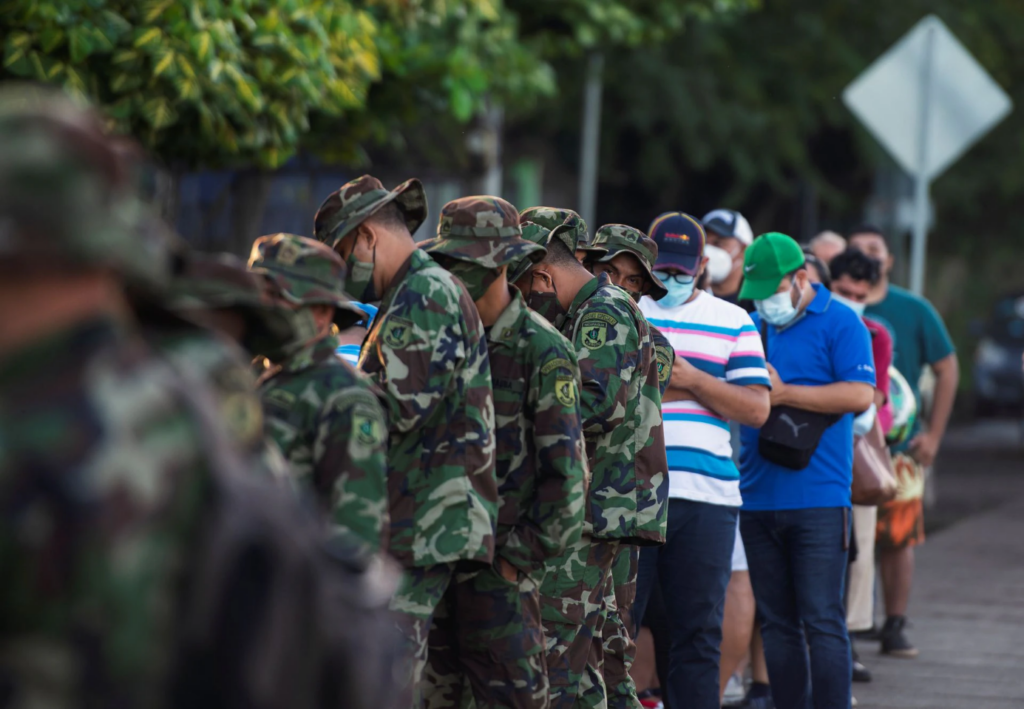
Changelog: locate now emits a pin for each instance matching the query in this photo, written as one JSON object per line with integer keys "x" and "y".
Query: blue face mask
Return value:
{"x": 680, "y": 288}
{"x": 851, "y": 304}
{"x": 778, "y": 310}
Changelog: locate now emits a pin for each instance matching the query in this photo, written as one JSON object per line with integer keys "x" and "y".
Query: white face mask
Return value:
{"x": 851, "y": 304}
{"x": 678, "y": 293}
{"x": 777, "y": 310}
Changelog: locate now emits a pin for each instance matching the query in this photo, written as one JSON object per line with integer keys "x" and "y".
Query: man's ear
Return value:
{"x": 366, "y": 237}
{"x": 890, "y": 260}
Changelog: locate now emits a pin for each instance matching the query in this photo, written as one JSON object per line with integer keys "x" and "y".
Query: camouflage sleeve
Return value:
{"x": 666, "y": 357}
{"x": 420, "y": 344}
{"x": 608, "y": 347}
{"x": 349, "y": 463}
{"x": 554, "y": 518}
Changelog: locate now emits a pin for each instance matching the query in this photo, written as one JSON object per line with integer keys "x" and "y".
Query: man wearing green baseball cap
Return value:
{"x": 826, "y": 348}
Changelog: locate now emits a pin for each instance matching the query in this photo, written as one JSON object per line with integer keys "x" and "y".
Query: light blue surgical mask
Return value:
{"x": 680, "y": 288}
{"x": 851, "y": 304}
{"x": 778, "y": 310}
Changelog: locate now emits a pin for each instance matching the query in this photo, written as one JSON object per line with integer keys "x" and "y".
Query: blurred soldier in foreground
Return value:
{"x": 488, "y": 629}
{"x": 143, "y": 565}
{"x": 322, "y": 413}
{"x": 427, "y": 352}
{"x": 621, "y": 408}
{"x": 629, "y": 262}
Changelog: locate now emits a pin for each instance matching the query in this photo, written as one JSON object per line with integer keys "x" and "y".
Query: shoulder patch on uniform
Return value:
{"x": 603, "y": 317}
{"x": 279, "y": 397}
{"x": 367, "y": 428}
{"x": 664, "y": 364}
{"x": 397, "y": 332}
{"x": 244, "y": 416}
{"x": 565, "y": 389}
{"x": 552, "y": 364}
{"x": 594, "y": 332}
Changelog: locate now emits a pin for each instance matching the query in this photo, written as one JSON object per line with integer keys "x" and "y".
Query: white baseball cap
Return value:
{"x": 729, "y": 222}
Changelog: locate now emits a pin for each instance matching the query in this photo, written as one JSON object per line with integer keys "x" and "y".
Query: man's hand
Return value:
{"x": 682, "y": 373}
{"x": 923, "y": 448}
{"x": 778, "y": 392}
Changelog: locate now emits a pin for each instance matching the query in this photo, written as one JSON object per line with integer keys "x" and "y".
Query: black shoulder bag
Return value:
{"x": 790, "y": 435}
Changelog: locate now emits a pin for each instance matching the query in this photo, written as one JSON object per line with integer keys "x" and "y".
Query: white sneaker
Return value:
{"x": 734, "y": 691}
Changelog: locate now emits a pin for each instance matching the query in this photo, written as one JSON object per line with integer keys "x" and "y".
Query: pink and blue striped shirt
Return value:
{"x": 718, "y": 338}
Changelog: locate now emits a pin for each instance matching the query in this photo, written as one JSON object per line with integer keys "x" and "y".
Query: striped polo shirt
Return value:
{"x": 718, "y": 338}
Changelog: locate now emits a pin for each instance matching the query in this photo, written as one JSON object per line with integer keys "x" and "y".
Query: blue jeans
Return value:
{"x": 797, "y": 562}
{"x": 693, "y": 569}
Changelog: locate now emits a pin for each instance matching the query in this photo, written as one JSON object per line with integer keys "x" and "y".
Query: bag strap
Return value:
{"x": 764, "y": 339}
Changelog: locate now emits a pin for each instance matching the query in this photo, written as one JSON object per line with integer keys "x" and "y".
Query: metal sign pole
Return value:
{"x": 590, "y": 141}
{"x": 919, "y": 245}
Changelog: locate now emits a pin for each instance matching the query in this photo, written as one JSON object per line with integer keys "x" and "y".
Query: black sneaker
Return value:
{"x": 894, "y": 642}
{"x": 860, "y": 672}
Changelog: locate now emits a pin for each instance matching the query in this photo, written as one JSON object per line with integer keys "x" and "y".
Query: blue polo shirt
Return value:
{"x": 828, "y": 343}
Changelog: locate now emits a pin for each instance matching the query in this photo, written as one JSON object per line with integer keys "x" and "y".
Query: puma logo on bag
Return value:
{"x": 792, "y": 424}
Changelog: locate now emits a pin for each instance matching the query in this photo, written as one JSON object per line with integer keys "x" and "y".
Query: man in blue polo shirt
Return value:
{"x": 795, "y": 523}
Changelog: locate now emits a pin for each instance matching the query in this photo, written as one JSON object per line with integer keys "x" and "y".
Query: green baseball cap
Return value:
{"x": 768, "y": 260}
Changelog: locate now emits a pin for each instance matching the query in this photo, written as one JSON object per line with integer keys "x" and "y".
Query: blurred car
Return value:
{"x": 998, "y": 377}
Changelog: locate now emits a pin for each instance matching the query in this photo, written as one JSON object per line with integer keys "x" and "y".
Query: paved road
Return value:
{"x": 968, "y": 602}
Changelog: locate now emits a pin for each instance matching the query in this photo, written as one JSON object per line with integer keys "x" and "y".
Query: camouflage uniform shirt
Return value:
{"x": 541, "y": 464}
{"x": 621, "y": 405}
{"x": 328, "y": 423}
{"x": 427, "y": 353}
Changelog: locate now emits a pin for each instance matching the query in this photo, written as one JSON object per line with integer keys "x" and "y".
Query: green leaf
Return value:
{"x": 16, "y": 51}
{"x": 152, "y": 10}
{"x": 188, "y": 88}
{"x": 80, "y": 44}
{"x": 461, "y": 102}
{"x": 148, "y": 38}
{"x": 122, "y": 82}
{"x": 201, "y": 45}
{"x": 159, "y": 113}
{"x": 163, "y": 63}
{"x": 51, "y": 38}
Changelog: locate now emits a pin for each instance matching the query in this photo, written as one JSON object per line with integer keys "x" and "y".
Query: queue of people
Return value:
{"x": 209, "y": 503}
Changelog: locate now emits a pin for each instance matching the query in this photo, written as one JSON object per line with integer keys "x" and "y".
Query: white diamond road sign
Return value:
{"x": 963, "y": 101}
{"x": 926, "y": 100}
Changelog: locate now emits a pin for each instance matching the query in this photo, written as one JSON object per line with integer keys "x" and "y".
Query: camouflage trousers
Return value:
{"x": 415, "y": 602}
{"x": 619, "y": 648}
{"x": 574, "y": 611}
{"x": 486, "y": 645}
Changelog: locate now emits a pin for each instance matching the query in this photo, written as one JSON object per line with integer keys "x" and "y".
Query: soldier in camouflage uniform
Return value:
{"x": 130, "y": 531}
{"x": 427, "y": 352}
{"x": 628, "y": 259}
{"x": 323, "y": 415}
{"x": 488, "y": 630}
{"x": 621, "y": 406}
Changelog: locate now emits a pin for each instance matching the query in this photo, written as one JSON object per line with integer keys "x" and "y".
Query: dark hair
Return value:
{"x": 857, "y": 265}
{"x": 389, "y": 216}
{"x": 812, "y": 261}
{"x": 868, "y": 229}
{"x": 559, "y": 255}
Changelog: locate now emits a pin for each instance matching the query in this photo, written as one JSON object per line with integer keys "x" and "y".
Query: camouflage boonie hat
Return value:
{"x": 222, "y": 282}
{"x": 355, "y": 201}
{"x": 66, "y": 196}
{"x": 482, "y": 230}
{"x": 619, "y": 238}
{"x": 306, "y": 272}
{"x": 536, "y": 234}
{"x": 575, "y": 231}
{"x": 590, "y": 245}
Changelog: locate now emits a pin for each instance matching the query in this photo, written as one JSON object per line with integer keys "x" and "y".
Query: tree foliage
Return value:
{"x": 200, "y": 81}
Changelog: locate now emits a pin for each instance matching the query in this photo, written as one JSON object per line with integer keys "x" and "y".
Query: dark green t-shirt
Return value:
{"x": 919, "y": 337}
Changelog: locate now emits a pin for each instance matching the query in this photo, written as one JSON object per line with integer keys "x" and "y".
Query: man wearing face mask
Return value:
{"x": 796, "y": 513}
{"x": 488, "y": 628}
{"x": 427, "y": 353}
{"x": 719, "y": 375}
{"x": 729, "y": 230}
{"x": 322, "y": 414}
{"x": 621, "y": 408}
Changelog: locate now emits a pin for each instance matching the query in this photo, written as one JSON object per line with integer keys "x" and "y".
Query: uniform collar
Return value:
{"x": 417, "y": 261}
{"x": 64, "y": 351}
{"x": 585, "y": 292}
{"x": 505, "y": 330}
